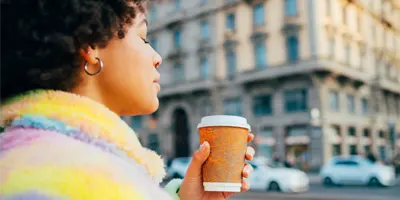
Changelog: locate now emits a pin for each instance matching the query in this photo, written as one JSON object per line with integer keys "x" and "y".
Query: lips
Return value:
{"x": 157, "y": 85}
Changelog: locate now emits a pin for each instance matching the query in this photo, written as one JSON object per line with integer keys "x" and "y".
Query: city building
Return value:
{"x": 315, "y": 78}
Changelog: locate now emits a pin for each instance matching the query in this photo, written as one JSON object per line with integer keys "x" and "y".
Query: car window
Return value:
{"x": 346, "y": 163}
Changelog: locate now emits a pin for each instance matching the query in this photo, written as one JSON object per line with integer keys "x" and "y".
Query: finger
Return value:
{"x": 245, "y": 186}
{"x": 250, "y": 137}
{"x": 250, "y": 153}
{"x": 247, "y": 170}
{"x": 199, "y": 157}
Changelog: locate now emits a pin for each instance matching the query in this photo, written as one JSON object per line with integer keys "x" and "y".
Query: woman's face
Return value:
{"x": 128, "y": 82}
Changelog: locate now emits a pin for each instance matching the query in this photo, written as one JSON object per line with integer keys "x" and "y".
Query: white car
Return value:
{"x": 356, "y": 170}
{"x": 266, "y": 177}
{"x": 178, "y": 167}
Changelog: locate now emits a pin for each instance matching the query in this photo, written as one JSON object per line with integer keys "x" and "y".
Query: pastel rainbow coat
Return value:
{"x": 61, "y": 146}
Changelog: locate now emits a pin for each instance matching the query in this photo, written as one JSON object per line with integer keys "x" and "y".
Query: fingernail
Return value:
{"x": 202, "y": 146}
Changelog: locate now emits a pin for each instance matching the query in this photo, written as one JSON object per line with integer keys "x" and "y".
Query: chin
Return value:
{"x": 144, "y": 109}
{"x": 150, "y": 110}
{"x": 151, "y": 107}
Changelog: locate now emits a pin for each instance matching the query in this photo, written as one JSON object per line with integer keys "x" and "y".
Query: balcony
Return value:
{"x": 322, "y": 67}
{"x": 291, "y": 29}
{"x": 259, "y": 28}
{"x": 176, "y": 54}
{"x": 176, "y": 19}
{"x": 230, "y": 2}
{"x": 204, "y": 46}
{"x": 250, "y": 2}
{"x": 230, "y": 34}
{"x": 389, "y": 84}
{"x": 187, "y": 86}
{"x": 258, "y": 36}
{"x": 331, "y": 28}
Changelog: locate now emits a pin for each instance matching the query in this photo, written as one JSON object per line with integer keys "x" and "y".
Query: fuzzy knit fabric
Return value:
{"x": 58, "y": 145}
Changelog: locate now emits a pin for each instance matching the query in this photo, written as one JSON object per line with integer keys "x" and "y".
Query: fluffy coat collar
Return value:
{"x": 90, "y": 117}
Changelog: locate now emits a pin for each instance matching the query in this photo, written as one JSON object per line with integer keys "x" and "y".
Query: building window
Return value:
{"x": 352, "y": 131}
{"x": 262, "y": 105}
{"x": 336, "y": 150}
{"x": 367, "y": 149}
{"x": 364, "y": 106}
{"x": 332, "y": 47}
{"x": 261, "y": 53}
{"x": 328, "y": 8}
{"x": 381, "y": 134}
{"x": 177, "y": 4}
{"x": 362, "y": 58}
{"x": 382, "y": 153}
{"x": 334, "y": 100}
{"x": 397, "y": 103}
{"x": 178, "y": 73}
{"x": 233, "y": 107}
{"x": 153, "y": 142}
{"x": 205, "y": 73}
{"x": 264, "y": 149}
{"x": 366, "y": 133}
{"x": 290, "y": 7}
{"x": 230, "y": 21}
{"x": 351, "y": 104}
{"x": 359, "y": 28}
{"x": 258, "y": 14}
{"x": 353, "y": 149}
{"x": 153, "y": 43}
{"x": 296, "y": 100}
{"x": 347, "y": 53}
{"x": 292, "y": 48}
{"x": 137, "y": 122}
{"x": 177, "y": 38}
{"x": 344, "y": 14}
{"x": 231, "y": 62}
{"x": 205, "y": 30}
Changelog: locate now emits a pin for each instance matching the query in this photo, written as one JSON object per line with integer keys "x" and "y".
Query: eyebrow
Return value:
{"x": 144, "y": 21}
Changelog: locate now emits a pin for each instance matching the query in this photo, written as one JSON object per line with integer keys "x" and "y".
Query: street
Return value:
{"x": 319, "y": 192}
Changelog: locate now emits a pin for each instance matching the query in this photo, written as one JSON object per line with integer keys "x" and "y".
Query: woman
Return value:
{"x": 70, "y": 69}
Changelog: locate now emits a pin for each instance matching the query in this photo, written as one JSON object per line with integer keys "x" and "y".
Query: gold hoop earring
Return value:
{"x": 98, "y": 71}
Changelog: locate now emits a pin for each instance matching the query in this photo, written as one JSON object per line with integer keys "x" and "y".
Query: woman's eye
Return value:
{"x": 145, "y": 41}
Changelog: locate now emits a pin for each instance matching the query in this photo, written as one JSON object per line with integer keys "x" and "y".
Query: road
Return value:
{"x": 319, "y": 192}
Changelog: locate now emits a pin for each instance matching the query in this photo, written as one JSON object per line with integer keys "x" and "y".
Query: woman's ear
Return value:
{"x": 89, "y": 54}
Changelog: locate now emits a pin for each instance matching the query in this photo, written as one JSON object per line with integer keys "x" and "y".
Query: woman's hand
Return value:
{"x": 192, "y": 185}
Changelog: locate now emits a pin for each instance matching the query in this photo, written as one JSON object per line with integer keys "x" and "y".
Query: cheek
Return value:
{"x": 140, "y": 67}
{"x": 128, "y": 62}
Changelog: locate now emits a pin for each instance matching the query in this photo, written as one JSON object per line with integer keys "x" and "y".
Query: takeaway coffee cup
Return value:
{"x": 227, "y": 136}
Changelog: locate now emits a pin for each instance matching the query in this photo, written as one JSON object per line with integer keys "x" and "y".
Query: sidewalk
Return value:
{"x": 309, "y": 196}
{"x": 315, "y": 179}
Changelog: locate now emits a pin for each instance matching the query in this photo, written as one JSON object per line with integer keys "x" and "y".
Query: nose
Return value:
{"x": 157, "y": 60}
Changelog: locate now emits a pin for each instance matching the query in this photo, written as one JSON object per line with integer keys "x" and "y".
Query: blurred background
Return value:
{"x": 318, "y": 80}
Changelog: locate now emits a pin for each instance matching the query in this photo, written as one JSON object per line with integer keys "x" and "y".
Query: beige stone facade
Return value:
{"x": 348, "y": 66}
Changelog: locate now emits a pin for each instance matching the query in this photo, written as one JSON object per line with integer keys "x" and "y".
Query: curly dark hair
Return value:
{"x": 41, "y": 39}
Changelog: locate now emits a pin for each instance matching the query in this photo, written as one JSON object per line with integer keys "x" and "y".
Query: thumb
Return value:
{"x": 199, "y": 157}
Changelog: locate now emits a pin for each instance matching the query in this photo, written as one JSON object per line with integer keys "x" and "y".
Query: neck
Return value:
{"x": 94, "y": 93}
